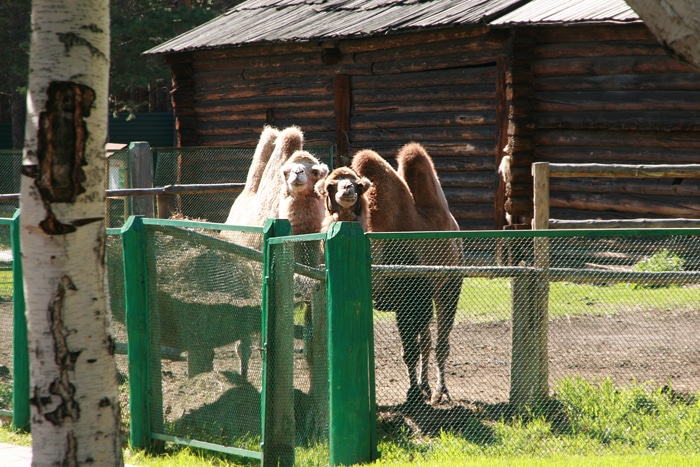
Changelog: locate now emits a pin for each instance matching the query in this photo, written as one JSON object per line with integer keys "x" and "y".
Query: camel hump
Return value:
{"x": 266, "y": 144}
{"x": 290, "y": 139}
{"x": 416, "y": 167}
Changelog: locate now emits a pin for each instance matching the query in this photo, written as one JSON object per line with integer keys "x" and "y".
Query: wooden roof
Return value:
{"x": 260, "y": 21}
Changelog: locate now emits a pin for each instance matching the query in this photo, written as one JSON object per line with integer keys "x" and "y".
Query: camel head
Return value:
{"x": 342, "y": 190}
{"x": 301, "y": 172}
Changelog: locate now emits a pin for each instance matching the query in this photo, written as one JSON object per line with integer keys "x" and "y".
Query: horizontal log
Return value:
{"x": 603, "y": 33}
{"x": 431, "y": 51}
{"x": 288, "y": 72}
{"x": 467, "y": 134}
{"x": 442, "y": 62}
{"x": 469, "y": 195}
{"x": 685, "y": 207}
{"x": 239, "y": 105}
{"x": 607, "y": 66}
{"x": 625, "y": 170}
{"x": 639, "y": 120}
{"x": 629, "y": 277}
{"x": 633, "y": 154}
{"x": 623, "y": 185}
{"x": 412, "y": 120}
{"x": 454, "y": 105}
{"x": 554, "y": 274}
{"x": 308, "y": 58}
{"x": 640, "y": 223}
{"x": 437, "y": 149}
{"x": 278, "y": 89}
{"x": 255, "y": 50}
{"x": 472, "y": 211}
{"x": 624, "y": 139}
{"x": 580, "y": 101}
{"x": 411, "y": 38}
{"x": 595, "y": 48}
{"x": 623, "y": 82}
{"x": 430, "y": 94}
{"x": 467, "y": 179}
{"x": 451, "y": 77}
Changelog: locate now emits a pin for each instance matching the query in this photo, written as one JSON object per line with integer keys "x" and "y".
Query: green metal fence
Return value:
{"x": 524, "y": 310}
{"x": 533, "y": 308}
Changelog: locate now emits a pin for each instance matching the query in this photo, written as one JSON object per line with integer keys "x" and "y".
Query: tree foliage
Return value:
{"x": 139, "y": 25}
{"x": 136, "y": 26}
{"x": 14, "y": 34}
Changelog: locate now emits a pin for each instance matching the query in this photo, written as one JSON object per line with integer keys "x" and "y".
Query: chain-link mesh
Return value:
{"x": 6, "y": 317}
{"x": 10, "y": 163}
{"x": 205, "y": 299}
{"x": 114, "y": 263}
{"x": 299, "y": 289}
{"x": 616, "y": 306}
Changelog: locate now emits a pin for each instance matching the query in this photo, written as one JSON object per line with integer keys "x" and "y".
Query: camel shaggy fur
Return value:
{"x": 411, "y": 199}
{"x": 300, "y": 203}
{"x": 343, "y": 192}
{"x": 260, "y": 199}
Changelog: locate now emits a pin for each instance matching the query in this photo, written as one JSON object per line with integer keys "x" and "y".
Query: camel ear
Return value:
{"x": 363, "y": 185}
{"x": 320, "y": 188}
{"x": 320, "y": 171}
{"x": 330, "y": 197}
{"x": 284, "y": 173}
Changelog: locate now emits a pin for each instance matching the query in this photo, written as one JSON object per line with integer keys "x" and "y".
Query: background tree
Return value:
{"x": 676, "y": 23}
{"x": 138, "y": 83}
{"x": 14, "y": 56}
{"x": 73, "y": 375}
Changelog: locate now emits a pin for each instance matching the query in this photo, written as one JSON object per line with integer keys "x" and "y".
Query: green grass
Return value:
{"x": 588, "y": 424}
{"x": 485, "y": 300}
{"x": 5, "y": 285}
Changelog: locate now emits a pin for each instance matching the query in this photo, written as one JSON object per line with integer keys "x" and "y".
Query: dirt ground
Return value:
{"x": 661, "y": 348}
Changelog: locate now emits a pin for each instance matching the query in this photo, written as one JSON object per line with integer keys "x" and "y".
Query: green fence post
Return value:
{"x": 138, "y": 330}
{"x": 277, "y": 395}
{"x": 350, "y": 345}
{"x": 20, "y": 393}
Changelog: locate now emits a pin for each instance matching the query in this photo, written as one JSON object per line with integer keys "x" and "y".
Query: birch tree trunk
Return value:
{"x": 74, "y": 395}
{"x": 676, "y": 23}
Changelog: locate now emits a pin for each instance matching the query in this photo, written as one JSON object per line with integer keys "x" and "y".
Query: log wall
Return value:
{"x": 437, "y": 88}
{"x": 611, "y": 94}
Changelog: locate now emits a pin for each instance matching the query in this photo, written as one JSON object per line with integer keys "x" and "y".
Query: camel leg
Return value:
{"x": 446, "y": 307}
{"x": 425, "y": 342}
{"x": 410, "y": 353}
{"x": 243, "y": 350}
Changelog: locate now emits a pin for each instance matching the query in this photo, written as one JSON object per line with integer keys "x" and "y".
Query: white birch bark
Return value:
{"x": 676, "y": 23}
{"x": 74, "y": 394}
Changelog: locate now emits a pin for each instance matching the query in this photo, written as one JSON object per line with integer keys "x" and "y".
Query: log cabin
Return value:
{"x": 472, "y": 80}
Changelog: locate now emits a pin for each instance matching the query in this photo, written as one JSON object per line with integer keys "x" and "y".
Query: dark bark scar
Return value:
{"x": 61, "y": 387}
{"x": 62, "y": 135}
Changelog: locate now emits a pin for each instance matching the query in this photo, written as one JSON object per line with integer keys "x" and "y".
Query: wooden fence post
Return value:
{"x": 141, "y": 176}
{"x": 138, "y": 331}
{"x": 529, "y": 383}
{"x": 20, "y": 352}
{"x": 350, "y": 345}
{"x": 278, "y": 429}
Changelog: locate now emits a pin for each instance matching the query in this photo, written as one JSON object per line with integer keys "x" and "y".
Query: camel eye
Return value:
{"x": 315, "y": 172}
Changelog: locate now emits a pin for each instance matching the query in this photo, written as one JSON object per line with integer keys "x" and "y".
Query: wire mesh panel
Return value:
{"x": 10, "y": 166}
{"x": 299, "y": 306}
{"x": 6, "y": 317}
{"x": 114, "y": 264}
{"x": 205, "y": 299}
{"x": 614, "y": 304}
{"x": 117, "y": 177}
